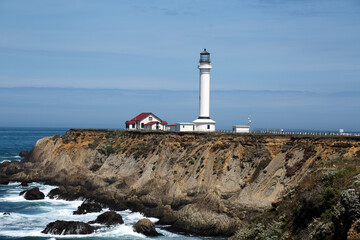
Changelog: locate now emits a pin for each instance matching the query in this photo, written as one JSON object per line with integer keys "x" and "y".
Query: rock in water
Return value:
{"x": 23, "y": 184}
{"x": 69, "y": 193}
{"x": 109, "y": 218}
{"x": 146, "y": 227}
{"x": 23, "y": 153}
{"x": 4, "y": 182}
{"x": 33, "y": 194}
{"x": 88, "y": 208}
{"x": 68, "y": 227}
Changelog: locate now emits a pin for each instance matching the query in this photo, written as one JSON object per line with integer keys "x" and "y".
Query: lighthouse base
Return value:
{"x": 204, "y": 125}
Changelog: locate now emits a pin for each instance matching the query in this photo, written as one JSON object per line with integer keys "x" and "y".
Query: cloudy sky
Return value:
{"x": 86, "y": 63}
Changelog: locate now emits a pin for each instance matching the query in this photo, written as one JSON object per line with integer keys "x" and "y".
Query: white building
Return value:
{"x": 146, "y": 121}
{"x": 184, "y": 127}
{"x": 204, "y": 123}
{"x": 241, "y": 129}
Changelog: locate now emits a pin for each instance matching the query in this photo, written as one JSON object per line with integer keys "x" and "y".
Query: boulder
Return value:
{"x": 68, "y": 227}
{"x": 85, "y": 208}
{"x": 6, "y": 213}
{"x": 24, "y": 153}
{"x": 33, "y": 194}
{"x": 4, "y": 182}
{"x": 146, "y": 227}
{"x": 69, "y": 193}
{"x": 23, "y": 184}
{"x": 109, "y": 218}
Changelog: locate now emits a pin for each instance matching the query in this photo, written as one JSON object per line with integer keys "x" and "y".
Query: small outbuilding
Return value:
{"x": 241, "y": 129}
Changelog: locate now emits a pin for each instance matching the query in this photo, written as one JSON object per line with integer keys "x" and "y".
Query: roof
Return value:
{"x": 140, "y": 116}
{"x": 143, "y": 115}
{"x": 173, "y": 124}
{"x": 205, "y": 52}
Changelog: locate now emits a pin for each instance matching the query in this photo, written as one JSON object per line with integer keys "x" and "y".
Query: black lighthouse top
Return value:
{"x": 204, "y": 56}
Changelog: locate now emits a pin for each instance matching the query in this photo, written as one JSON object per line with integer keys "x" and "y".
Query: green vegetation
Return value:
{"x": 323, "y": 205}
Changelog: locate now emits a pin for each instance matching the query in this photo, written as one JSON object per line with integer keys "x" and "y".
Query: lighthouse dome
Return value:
{"x": 204, "y": 56}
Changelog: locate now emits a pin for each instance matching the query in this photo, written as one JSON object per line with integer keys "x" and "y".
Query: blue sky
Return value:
{"x": 83, "y": 63}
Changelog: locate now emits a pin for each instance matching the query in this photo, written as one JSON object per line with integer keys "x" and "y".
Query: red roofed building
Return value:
{"x": 147, "y": 121}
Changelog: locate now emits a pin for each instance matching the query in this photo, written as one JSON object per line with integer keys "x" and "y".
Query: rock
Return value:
{"x": 88, "y": 208}
{"x": 354, "y": 232}
{"x": 6, "y": 213}
{"x": 69, "y": 193}
{"x": 4, "y": 182}
{"x": 146, "y": 227}
{"x": 33, "y": 194}
{"x": 24, "y": 153}
{"x": 23, "y": 184}
{"x": 109, "y": 218}
{"x": 68, "y": 227}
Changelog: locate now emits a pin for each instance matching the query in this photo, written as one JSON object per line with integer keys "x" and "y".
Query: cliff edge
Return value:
{"x": 208, "y": 184}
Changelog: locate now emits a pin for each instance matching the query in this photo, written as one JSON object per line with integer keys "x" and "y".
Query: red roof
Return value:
{"x": 140, "y": 116}
{"x": 173, "y": 124}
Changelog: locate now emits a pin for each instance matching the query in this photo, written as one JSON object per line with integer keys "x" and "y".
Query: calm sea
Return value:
{"x": 28, "y": 218}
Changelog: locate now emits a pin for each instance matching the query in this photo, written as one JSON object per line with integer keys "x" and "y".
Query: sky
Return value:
{"x": 292, "y": 64}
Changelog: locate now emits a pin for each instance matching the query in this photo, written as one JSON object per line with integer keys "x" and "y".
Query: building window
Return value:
{"x": 183, "y": 126}
{"x": 150, "y": 118}
{"x": 142, "y": 125}
{"x": 208, "y": 126}
{"x": 133, "y": 126}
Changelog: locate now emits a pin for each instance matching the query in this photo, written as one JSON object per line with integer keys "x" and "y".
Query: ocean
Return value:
{"x": 28, "y": 218}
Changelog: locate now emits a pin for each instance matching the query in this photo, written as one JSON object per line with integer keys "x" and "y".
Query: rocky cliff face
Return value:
{"x": 202, "y": 183}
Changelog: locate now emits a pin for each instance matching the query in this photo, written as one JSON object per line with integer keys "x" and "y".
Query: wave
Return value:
{"x": 29, "y": 218}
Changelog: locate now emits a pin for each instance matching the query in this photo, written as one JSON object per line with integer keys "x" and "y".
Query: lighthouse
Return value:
{"x": 204, "y": 123}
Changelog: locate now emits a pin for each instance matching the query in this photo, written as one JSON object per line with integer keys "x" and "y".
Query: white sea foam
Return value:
{"x": 29, "y": 218}
{"x": 133, "y": 217}
{"x": 6, "y": 160}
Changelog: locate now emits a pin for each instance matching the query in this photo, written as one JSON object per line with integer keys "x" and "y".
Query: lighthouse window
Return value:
{"x": 142, "y": 125}
{"x": 150, "y": 118}
{"x": 208, "y": 126}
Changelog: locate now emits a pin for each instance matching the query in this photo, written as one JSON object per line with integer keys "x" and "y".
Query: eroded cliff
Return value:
{"x": 202, "y": 183}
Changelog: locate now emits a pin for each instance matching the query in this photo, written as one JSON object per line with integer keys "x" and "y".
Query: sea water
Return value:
{"x": 27, "y": 219}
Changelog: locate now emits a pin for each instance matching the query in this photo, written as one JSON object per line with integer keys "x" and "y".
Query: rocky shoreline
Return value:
{"x": 206, "y": 184}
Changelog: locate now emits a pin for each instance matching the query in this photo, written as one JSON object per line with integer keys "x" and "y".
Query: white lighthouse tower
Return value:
{"x": 204, "y": 123}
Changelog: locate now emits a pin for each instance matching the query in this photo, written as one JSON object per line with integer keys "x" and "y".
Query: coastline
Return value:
{"x": 207, "y": 184}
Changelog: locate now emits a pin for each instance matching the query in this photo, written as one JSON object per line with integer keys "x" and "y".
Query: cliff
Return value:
{"x": 209, "y": 184}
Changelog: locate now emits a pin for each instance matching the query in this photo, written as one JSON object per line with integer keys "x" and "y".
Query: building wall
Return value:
{"x": 205, "y": 127}
{"x": 131, "y": 126}
{"x": 153, "y": 127}
{"x": 241, "y": 129}
{"x": 180, "y": 127}
{"x": 146, "y": 120}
